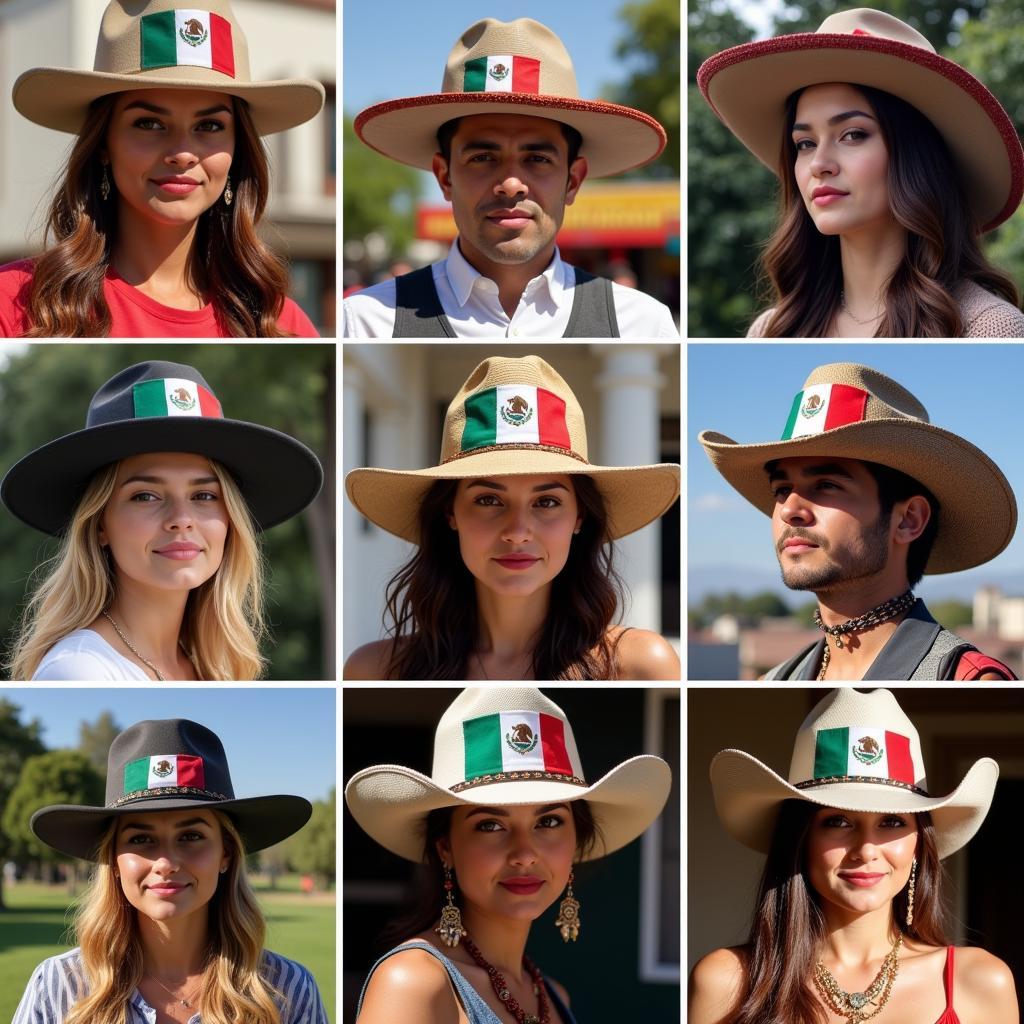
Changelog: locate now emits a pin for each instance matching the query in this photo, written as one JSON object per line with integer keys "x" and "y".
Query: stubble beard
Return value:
{"x": 850, "y": 564}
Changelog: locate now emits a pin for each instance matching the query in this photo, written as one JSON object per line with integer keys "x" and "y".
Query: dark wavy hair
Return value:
{"x": 228, "y": 261}
{"x": 926, "y": 197}
{"x": 788, "y": 928}
{"x": 431, "y": 612}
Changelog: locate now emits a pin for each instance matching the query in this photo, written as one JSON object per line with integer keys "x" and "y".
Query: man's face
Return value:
{"x": 508, "y": 181}
{"x": 826, "y": 524}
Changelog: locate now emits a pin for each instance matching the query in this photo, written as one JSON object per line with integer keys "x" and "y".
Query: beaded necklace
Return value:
{"x": 874, "y": 617}
{"x": 501, "y": 989}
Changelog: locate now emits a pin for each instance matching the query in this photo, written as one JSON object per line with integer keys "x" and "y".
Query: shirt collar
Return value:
{"x": 463, "y": 276}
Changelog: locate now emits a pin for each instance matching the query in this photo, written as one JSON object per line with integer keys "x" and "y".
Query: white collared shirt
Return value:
{"x": 470, "y": 301}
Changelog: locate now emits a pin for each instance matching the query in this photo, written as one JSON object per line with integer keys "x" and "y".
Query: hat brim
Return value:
{"x": 978, "y": 514}
{"x": 747, "y": 87}
{"x": 278, "y": 475}
{"x": 59, "y": 98}
{"x": 615, "y": 138}
{"x": 748, "y": 795}
{"x": 262, "y": 821}
{"x": 634, "y": 495}
{"x": 390, "y": 802}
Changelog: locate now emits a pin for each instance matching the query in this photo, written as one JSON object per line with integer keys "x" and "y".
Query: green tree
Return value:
{"x": 312, "y": 850}
{"x": 94, "y": 739}
{"x": 18, "y": 742}
{"x": 952, "y": 614}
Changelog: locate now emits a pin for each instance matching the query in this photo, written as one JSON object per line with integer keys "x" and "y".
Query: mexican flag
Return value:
{"x": 506, "y": 73}
{"x": 174, "y": 397}
{"x": 164, "y": 770}
{"x": 864, "y": 750}
{"x": 188, "y": 38}
{"x": 514, "y": 414}
{"x": 515, "y": 741}
{"x": 824, "y": 407}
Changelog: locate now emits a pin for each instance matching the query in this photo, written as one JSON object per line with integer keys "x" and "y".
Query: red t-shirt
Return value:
{"x": 132, "y": 314}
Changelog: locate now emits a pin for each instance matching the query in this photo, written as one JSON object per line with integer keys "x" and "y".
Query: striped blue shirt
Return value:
{"x": 58, "y": 983}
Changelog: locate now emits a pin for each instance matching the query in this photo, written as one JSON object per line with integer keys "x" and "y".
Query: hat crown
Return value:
{"x": 523, "y": 38}
{"x": 117, "y": 399}
{"x": 853, "y": 737}
{"x": 886, "y": 398}
{"x": 867, "y": 22}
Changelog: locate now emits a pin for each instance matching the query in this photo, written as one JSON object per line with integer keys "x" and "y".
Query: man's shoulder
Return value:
{"x": 639, "y": 315}
{"x": 370, "y": 313}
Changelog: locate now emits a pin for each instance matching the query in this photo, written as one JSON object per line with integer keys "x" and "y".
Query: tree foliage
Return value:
{"x": 752, "y": 609}
{"x": 312, "y": 849}
{"x": 94, "y": 739}
{"x": 18, "y": 742}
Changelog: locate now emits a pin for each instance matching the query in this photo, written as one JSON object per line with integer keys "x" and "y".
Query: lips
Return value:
{"x": 522, "y": 885}
{"x": 861, "y": 879}
{"x": 179, "y": 551}
{"x": 827, "y": 190}
{"x": 176, "y": 184}
{"x": 166, "y": 888}
{"x": 518, "y": 561}
{"x": 510, "y": 218}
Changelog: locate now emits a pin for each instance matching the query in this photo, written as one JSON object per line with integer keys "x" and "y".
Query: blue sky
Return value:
{"x": 277, "y": 740}
{"x": 744, "y": 391}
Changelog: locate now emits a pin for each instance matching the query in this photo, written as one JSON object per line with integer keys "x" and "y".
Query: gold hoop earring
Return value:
{"x": 910, "y": 893}
{"x": 229, "y": 196}
{"x": 568, "y": 920}
{"x": 450, "y": 927}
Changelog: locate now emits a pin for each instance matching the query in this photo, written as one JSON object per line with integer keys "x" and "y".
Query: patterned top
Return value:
{"x": 57, "y": 984}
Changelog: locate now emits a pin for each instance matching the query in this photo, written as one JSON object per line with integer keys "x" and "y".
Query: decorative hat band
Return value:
{"x": 174, "y": 397}
{"x": 505, "y": 73}
{"x": 862, "y": 753}
{"x": 823, "y": 407}
{"x": 165, "y": 775}
{"x": 187, "y": 38}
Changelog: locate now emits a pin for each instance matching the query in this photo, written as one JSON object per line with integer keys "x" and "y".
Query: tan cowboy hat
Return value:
{"x": 161, "y": 44}
{"x": 503, "y": 746}
{"x": 514, "y": 67}
{"x": 854, "y": 412}
{"x": 514, "y": 417}
{"x": 855, "y": 752}
{"x": 747, "y": 86}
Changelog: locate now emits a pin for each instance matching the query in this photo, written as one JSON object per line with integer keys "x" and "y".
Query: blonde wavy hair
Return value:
{"x": 106, "y": 926}
{"x": 223, "y": 623}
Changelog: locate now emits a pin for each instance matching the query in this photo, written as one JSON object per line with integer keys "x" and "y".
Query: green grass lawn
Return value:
{"x": 35, "y": 926}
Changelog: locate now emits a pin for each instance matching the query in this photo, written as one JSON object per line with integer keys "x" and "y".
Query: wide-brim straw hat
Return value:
{"x": 514, "y": 417}
{"x": 160, "y": 406}
{"x": 498, "y": 747}
{"x": 855, "y": 752}
{"x": 854, "y": 412}
{"x": 515, "y": 67}
{"x": 747, "y": 87}
{"x": 168, "y": 765}
{"x": 160, "y": 44}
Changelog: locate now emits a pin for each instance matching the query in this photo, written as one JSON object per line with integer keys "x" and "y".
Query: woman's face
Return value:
{"x": 170, "y": 151}
{"x": 166, "y": 523}
{"x": 168, "y": 862}
{"x": 511, "y": 861}
{"x": 515, "y": 531}
{"x": 842, "y": 163}
{"x": 858, "y": 861}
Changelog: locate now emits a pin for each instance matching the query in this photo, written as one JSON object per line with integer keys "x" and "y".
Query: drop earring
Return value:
{"x": 229, "y": 196}
{"x": 910, "y": 893}
{"x": 105, "y": 184}
{"x": 568, "y": 920}
{"x": 450, "y": 928}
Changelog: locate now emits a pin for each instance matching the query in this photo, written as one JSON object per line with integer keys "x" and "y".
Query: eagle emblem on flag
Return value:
{"x": 867, "y": 750}
{"x": 499, "y": 72}
{"x": 163, "y": 769}
{"x": 812, "y": 406}
{"x": 516, "y": 411}
{"x": 521, "y": 738}
{"x": 193, "y": 32}
{"x": 182, "y": 399}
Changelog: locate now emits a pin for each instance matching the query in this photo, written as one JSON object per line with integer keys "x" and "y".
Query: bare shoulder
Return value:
{"x": 369, "y": 661}
{"x": 758, "y": 327}
{"x": 718, "y": 983}
{"x": 411, "y": 986}
{"x": 643, "y": 654}
{"x": 983, "y": 987}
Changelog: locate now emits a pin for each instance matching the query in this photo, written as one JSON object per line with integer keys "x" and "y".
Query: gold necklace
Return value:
{"x": 846, "y": 309}
{"x": 187, "y": 1003}
{"x": 852, "y": 1004}
{"x": 145, "y": 661}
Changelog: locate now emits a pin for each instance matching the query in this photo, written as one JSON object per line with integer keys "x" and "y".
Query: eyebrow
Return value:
{"x": 161, "y": 480}
{"x": 178, "y": 824}
{"x": 824, "y": 469}
{"x": 837, "y": 119}
{"x": 494, "y": 485}
{"x": 497, "y": 812}
{"x": 219, "y": 108}
{"x": 531, "y": 147}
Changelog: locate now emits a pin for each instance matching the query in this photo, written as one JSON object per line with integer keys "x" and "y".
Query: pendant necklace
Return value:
{"x": 852, "y": 1005}
{"x": 501, "y": 989}
{"x": 187, "y": 1003}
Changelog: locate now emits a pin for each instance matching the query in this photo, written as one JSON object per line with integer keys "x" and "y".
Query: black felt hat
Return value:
{"x": 167, "y": 765}
{"x": 162, "y": 407}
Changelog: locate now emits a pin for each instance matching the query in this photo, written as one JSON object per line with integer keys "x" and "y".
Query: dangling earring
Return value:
{"x": 450, "y": 929}
{"x": 105, "y": 185}
{"x": 910, "y": 893}
{"x": 229, "y": 196}
{"x": 568, "y": 920}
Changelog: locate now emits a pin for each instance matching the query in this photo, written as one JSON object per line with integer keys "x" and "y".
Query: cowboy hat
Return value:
{"x": 854, "y": 412}
{"x": 160, "y": 45}
{"x": 168, "y": 765}
{"x": 515, "y": 67}
{"x": 162, "y": 407}
{"x": 855, "y": 752}
{"x": 505, "y": 747}
{"x": 514, "y": 417}
{"x": 747, "y": 87}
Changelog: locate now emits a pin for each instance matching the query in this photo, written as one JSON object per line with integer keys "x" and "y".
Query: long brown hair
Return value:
{"x": 926, "y": 197}
{"x": 228, "y": 262}
{"x": 431, "y": 612}
{"x": 788, "y": 929}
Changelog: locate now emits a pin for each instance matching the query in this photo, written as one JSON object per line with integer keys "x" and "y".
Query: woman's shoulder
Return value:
{"x": 718, "y": 982}
{"x": 299, "y": 996}
{"x": 15, "y": 279}
{"x": 49, "y": 993}
{"x": 983, "y": 984}
{"x": 369, "y": 661}
{"x": 986, "y": 315}
{"x": 295, "y": 322}
{"x": 644, "y": 654}
{"x": 411, "y": 984}
{"x": 84, "y": 656}
{"x": 757, "y": 328}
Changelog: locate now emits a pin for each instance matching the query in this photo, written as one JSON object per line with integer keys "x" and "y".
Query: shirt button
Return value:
{"x": 515, "y": 330}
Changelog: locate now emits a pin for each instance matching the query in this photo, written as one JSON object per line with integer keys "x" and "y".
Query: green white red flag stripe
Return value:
{"x": 824, "y": 407}
{"x": 512, "y": 741}
{"x": 514, "y": 414}
{"x": 505, "y": 73}
{"x": 172, "y": 396}
{"x": 187, "y": 38}
{"x": 162, "y": 770}
{"x": 863, "y": 750}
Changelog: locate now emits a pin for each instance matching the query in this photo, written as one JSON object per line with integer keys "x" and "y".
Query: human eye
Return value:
{"x": 487, "y": 500}
{"x": 206, "y": 496}
{"x": 139, "y": 839}
{"x": 489, "y": 825}
{"x": 893, "y": 821}
{"x": 479, "y": 158}
{"x": 827, "y": 485}
{"x": 803, "y": 145}
{"x": 780, "y": 491}
{"x": 147, "y": 123}
{"x": 855, "y": 135}
{"x": 210, "y": 125}
{"x": 144, "y": 497}
{"x": 192, "y": 836}
{"x": 550, "y": 821}
{"x": 548, "y": 501}
{"x": 835, "y": 821}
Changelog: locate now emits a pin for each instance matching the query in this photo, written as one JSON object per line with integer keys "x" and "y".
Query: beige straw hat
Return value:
{"x": 855, "y": 752}
{"x": 747, "y": 86}
{"x": 515, "y": 67}
{"x": 854, "y": 412}
{"x": 161, "y": 44}
{"x": 514, "y": 417}
{"x": 504, "y": 747}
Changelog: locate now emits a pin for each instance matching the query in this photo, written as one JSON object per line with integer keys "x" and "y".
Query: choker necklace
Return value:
{"x": 852, "y": 1004}
{"x": 846, "y": 309}
{"x": 187, "y": 1003}
{"x": 874, "y": 617}
{"x": 501, "y": 987}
